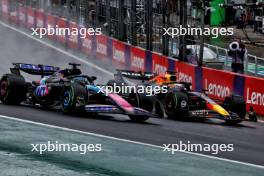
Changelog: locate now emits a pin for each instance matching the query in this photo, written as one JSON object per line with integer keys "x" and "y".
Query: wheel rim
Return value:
{"x": 66, "y": 98}
{"x": 3, "y": 88}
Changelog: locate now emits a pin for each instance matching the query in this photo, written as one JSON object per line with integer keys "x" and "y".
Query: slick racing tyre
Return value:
{"x": 13, "y": 89}
{"x": 176, "y": 105}
{"x": 74, "y": 98}
{"x": 235, "y": 104}
{"x": 138, "y": 119}
{"x": 141, "y": 100}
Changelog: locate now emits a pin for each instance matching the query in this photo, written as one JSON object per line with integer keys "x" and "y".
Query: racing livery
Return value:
{"x": 67, "y": 89}
{"x": 179, "y": 101}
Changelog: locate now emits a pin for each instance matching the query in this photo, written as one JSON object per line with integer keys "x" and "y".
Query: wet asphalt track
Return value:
{"x": 247, "y": 138}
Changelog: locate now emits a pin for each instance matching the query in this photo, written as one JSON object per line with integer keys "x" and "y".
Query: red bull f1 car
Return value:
{"x": 179, "y": 101}
{"x": 67, "y": 89}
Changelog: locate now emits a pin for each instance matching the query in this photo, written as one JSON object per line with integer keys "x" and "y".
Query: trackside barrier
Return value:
{"x": 13, "y": 16}
{"x": 102, "y": 47}
{"x": 22, "y": 15}
{"x": 138, "y": 59}
{"x": 62, "y": 36}
{"x": 87, "y": 44}
{"x": 73, "y": 39}
{"x": 51, "y": 22}
{"x": 254, "y": 93}
{"x": 186, "y": 73}
{"x": 31, "y": 18}
{"x": 160, "y": 63}
{"x": 218, "y": 83}
{"x": 40, "y": 18}
{"x": 120, "y": 54}
{"x": 5, "y": 9}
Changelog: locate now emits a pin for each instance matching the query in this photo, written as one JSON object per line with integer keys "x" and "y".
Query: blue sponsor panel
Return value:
{"x": 198, "y": 79}
{"x": 148, "y": 60}
{"x": 239, "y": 85}
{"x": 128, "y": 55}
{"x": 109, "y": 48}
{"x": 171, "y": 64}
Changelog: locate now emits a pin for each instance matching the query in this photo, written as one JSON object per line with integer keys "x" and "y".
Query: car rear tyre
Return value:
{"x": 13, "y": 89}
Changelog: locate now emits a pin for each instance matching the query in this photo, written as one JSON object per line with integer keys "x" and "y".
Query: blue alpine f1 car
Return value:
{"x": 67, "y": 89}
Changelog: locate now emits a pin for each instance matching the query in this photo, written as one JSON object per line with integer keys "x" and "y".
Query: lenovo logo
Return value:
{"x": 159, "y": 69}
{"x": 87, "y": 43}
{"x": 30, "y": 19}
{"x": 184, "y": 77}
{"x": 138, "y": 62}
{"x": 118, "y": 55}
{"x": 217, "y": 89}
{"x": 255, "y": 98}
{"x": 101, "y": 48}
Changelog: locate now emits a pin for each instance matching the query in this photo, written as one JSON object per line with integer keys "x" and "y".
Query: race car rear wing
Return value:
{"x": 42, "y": 70}
{"x": 135, "y": 75}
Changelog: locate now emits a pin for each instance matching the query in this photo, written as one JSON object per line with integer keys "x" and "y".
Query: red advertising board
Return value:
{"x": 160, "y": 63}
{"x": 22, "y": 15}
{"x": 185, "y": 72}
{"x": 218, "y": 83}
{"x": 138, "y": 59}
{"x": 62, "y": 30}
{"x": 30, "y": 17}
{"x": 40, "y": 17}
{"x": 254, "y": 93}
{"x": 87, "y": 44}
{"x": 101, "y": 46}
{"x": 13, "y": 16}
{"x": 50, "y": 24}
{"x": 73, "y": 37}
{"x": 119, "y": 59}
{"x": 4, "y": 7}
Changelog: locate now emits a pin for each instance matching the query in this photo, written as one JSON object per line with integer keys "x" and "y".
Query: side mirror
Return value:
{"x": 93, "y": 78}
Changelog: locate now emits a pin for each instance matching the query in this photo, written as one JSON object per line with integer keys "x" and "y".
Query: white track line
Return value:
{"x": 94, "y": 134}
{"x": 57, "y": 49}
{"x": 125, "y": 140}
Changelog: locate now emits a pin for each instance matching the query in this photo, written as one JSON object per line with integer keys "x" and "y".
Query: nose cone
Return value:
{"x": 219, "y": 109}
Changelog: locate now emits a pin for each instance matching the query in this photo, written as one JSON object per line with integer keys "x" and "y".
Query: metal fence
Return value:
{"x": 253, "y": 65}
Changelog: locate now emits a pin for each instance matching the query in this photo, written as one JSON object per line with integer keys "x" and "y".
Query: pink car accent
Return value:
{"x": 121, "y": 102}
